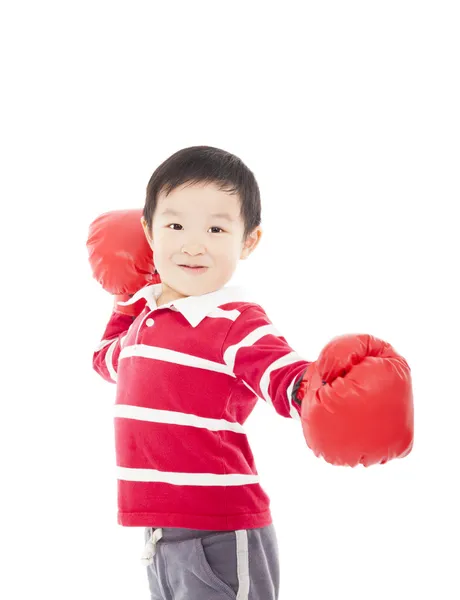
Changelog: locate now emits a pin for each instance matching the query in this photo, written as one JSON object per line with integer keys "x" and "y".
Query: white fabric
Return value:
{"x": 194, "y": 308}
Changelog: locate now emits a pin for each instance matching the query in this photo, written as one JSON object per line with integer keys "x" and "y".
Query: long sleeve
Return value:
{"x": 105, "y": 357}
{"x": 260, "y": 356}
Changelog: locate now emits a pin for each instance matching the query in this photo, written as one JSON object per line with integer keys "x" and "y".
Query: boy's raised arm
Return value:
{"x": 105, "y": 357}
{"x": 122, "y": 262}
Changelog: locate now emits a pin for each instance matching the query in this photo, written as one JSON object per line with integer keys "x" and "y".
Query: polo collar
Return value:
{"x": 193, "y": 308}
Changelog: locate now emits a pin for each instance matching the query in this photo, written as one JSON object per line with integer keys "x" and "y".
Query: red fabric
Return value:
{"x": 183, "y": 394}
{"x": 132, "y": 309}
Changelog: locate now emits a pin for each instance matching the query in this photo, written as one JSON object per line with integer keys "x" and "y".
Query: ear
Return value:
{"x": 251, "y": 243}
{"x": 146, "y": 232}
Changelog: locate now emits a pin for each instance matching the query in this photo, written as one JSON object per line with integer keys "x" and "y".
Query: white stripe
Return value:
{"x": 220, "y": 313}
{"x": 249, "y": 340}
{"x": 172, "y": 356}
{"x": 293, "y": 412}
{"x": 242, "y": 564}
{"x": 174, "y": 478}
{"x": 154, "y": 415}
{"x": 102, "y": 344}
{"x": 288, "y": 359}
{"x": 250, "y": 388}
{"x": 109, "y": 361}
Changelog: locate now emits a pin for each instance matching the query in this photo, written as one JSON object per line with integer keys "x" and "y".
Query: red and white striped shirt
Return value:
{"x": 188, "y": 375}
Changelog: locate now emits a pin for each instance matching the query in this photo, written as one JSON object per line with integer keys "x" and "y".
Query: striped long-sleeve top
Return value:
{"x": 188, "y": 374}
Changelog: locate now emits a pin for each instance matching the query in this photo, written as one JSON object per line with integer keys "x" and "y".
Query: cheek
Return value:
{"x": 163, "y": 243}
{"x": 228, "y": 254}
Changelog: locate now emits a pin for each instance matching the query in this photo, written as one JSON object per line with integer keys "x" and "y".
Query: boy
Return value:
{"x": 189, "y": 370}
{"x": 186, "y": 470}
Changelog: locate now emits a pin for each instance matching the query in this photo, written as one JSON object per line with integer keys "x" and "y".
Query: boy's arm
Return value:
{"x": 122, "y": 262}
{"x": 356, "y": 398}
{"x": 105, "y": 357}
{"x": 260, "y": 356}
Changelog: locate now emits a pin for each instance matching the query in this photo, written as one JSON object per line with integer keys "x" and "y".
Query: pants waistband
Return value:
{"x": 179, "y": 534}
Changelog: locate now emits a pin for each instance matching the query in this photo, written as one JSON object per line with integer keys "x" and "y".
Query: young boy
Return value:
{"x": 189, "y": 371}
{"x": 190, "y": 367}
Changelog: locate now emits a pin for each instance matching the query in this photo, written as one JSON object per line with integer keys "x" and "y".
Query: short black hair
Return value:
{"x": 205, "y": 164}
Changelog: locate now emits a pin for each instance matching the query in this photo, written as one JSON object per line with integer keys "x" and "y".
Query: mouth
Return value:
{"x": 193, "y": 269}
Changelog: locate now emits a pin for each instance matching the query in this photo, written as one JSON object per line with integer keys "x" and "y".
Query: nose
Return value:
{"x": 193, "y": 249}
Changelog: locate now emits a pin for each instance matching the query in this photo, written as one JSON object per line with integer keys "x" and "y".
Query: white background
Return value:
{"x": 348, "y": 114}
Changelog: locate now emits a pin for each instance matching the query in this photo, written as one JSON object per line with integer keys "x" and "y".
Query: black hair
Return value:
{"x": 205, "y": 164}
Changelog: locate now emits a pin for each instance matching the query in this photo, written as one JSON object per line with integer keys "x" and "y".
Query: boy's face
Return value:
{"x": 194, "y": 237}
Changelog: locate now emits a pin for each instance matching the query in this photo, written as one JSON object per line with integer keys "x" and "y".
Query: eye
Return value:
{"x": 174, "y": 229}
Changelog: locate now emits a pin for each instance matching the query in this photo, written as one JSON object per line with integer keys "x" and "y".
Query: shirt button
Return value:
{"x": 149, "y": 322}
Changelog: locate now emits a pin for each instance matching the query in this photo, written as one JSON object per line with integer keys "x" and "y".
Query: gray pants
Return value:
{"x": 193, "y": 564}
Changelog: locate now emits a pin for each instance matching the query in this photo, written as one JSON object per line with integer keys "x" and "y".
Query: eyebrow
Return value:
{"x": 170, "y": 211}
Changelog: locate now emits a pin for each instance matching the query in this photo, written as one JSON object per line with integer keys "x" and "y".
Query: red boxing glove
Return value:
{"x": 357, "y": 402}
{"x": 120, "y": 257}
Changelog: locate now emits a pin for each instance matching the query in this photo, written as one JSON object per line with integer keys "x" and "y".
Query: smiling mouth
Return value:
{"x": 196, "y": 268}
